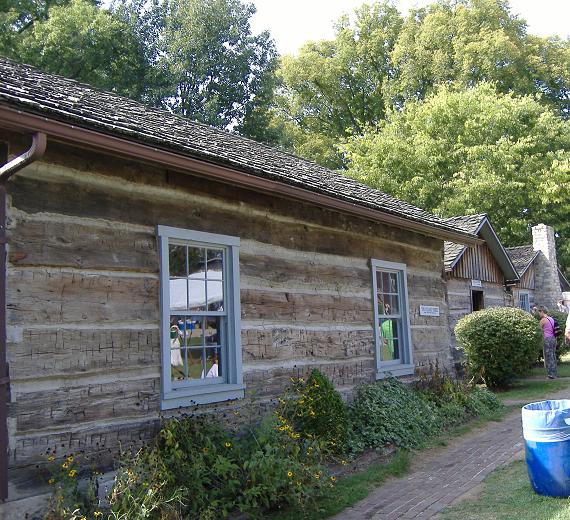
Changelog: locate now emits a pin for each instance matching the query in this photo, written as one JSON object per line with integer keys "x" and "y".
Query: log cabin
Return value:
{"x": 541, "y": 280}
{"x": 152, "y": 264}
{"x": 478, "y": 276}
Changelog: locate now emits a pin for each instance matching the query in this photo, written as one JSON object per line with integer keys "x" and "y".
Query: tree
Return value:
{"x": 212, "y": 69}
{"x": 472, "y": 151}
{"x": 333, "y": 88}
{"x": 469, "y": 41}
{"x": 82, "y": 42}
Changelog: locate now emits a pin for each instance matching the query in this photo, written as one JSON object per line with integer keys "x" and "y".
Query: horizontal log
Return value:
{"x": 272, "y": 381}
{"x": 67, "y": 244}
{"x": 273, "y": 305}
{"x": 63, "y": 296}
{"x": 186, "y": 210}
{"x": 55, "y": 352}
{"x": 74, "y": 405}
{"x": 286, "y": 343}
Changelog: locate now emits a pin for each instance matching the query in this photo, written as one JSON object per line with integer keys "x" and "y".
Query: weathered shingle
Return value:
{"x": 31, "y": 90}
{"x": 467, "y": 223}
{"x": 521, "y": 256}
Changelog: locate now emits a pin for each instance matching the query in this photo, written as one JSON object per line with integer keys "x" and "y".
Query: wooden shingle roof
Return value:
{"x": 522, "y": 257}
{"x": 32, "y": 91}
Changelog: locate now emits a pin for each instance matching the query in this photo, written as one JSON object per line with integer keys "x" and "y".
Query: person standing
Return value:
{"x": 562, "y": 307}
{"x": 547, "y": 325}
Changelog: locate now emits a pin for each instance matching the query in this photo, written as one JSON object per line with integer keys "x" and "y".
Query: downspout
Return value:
{"x": 8, "y": 169}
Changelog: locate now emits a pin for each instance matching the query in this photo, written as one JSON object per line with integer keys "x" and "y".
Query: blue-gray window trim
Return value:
{"x": 404, "y": 366}
{"x": 233, "y": 387}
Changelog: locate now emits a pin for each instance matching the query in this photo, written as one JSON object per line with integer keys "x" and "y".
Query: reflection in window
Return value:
{"x": 197, "y": 312}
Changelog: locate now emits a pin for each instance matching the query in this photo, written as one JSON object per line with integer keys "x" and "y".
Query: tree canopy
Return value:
{"x": 474, "y": 150}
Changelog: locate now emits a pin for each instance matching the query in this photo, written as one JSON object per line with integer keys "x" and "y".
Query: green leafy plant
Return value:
{"x": 317, "y": 412}
{"x": 391, "y": 412}
{"x": 500, "y": 344}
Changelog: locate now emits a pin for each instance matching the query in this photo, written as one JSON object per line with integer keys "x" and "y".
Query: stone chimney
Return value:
{"x": 547, "y": 283}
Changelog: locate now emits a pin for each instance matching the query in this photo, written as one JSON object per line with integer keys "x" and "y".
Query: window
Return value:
{"x": 391, "y": 319}
{"x": 200, "y": 312}
{"x": 524, "y": 301}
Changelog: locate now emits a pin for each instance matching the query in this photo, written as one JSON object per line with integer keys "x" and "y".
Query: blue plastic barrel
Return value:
{"x": 546, "y": 431}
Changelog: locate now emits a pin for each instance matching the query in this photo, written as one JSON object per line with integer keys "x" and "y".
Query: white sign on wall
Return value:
{"x": 429, "y": 310}
{"x": 476, "y": 283}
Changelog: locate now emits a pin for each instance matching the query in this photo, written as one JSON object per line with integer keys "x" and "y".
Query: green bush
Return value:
{"x": 316, "y": 411}
{"x": 196, "y": 470}
{"x": 391, "y": 412}
{"x": 500, "y": 343}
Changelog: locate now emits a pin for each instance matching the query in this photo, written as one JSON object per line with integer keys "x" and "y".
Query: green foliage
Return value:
{"x": 82, "y": 42}
{"x": 466, "y": 42}
{"x": 317, "y": 412}
{"x": 474, "y": 151}
{"x": 333, "y": 88}
{"x": 500, "y": 344}
{"x": 197, "y": 469}
{"x": 391, "y": 412}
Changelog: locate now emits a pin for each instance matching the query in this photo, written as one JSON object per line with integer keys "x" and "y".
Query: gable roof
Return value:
{"x": 27, "y": 89}
{"x": 522, "y": 257}
{"x": 479, "y": 225}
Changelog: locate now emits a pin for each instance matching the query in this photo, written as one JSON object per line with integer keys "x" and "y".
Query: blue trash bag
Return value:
{"x": 546, "y": 432}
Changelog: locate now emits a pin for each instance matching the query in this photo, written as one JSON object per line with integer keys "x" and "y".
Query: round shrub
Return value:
{"x": 500, "y": 343}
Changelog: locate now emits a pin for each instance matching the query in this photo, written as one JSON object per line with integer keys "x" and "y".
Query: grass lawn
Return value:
{"x": 506, "y": 495}
{"x": 563, "y": 369}
{"x": 533, "y": 389}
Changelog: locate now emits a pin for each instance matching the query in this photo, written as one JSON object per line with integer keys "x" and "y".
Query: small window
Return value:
{"x": 524, "y": 301}
{"x": 201, "y": 350}
{"x": 391, "y": 319}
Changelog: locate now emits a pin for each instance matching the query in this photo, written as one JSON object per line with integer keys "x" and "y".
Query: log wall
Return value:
{"x": 83, "y": 298}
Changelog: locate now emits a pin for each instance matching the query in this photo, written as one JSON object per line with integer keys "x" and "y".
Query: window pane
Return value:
{"x": 385, "y": 282}
{"x": 392, "y": 304}
{"x": 215, "y": 264}
{"x": 380, "y": 303}
{"x": 213, "y": 331}
{"x": 177, "y": 368}
{"x": 396, "y": 349}
{"x": 393, "y": 287}
{"x": 178, "y": 294}
{"x": 196, "y": 278}
{"x": 194, "y": 331}
{"x": 213, "y": 362}
{"x": 389, "y": 341}
{"x": 177, "y": 261}
{"x": 215, "y": 295}
{"x": 195, "y": 363}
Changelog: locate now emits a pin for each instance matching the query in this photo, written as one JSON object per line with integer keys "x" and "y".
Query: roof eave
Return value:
{"x": 71, "y": 134}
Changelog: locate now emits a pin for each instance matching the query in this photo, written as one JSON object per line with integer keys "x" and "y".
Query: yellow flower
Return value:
{"x": 205, "y": 450}
{"x": 312, "y": 413}
{"x": 51, "y": 458}
{"x": 317, "y": 476}
{"x": 83, "y": 518}
{"x": 97, "y": 514}
{"x": 65, "y": 465}
{"x": 333, "y": 479}
{"x": 70, "y": 459}
{"x": 228, "y": 444}
{"x": 72, "y": 473}
{"x": 289, "y": 474}
{"x": 51, "y": 481}
{"x": 344, "y": 462}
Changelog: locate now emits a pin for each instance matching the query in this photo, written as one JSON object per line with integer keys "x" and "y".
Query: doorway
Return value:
{"x": 477, "y": 302}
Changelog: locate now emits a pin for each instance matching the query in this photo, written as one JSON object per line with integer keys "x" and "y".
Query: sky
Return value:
{"x": 293, "y": 22}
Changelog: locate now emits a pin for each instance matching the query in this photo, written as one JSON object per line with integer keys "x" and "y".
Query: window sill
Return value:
{"x": 190, "y": 396}
{"x": 395, "y": 371}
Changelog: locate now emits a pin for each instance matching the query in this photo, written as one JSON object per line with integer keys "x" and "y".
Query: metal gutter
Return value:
{"x": 8, "y": 169}
{"x": 122, "y": 147}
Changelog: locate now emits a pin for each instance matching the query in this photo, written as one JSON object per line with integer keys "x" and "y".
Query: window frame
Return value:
{"x": 198, "y": 392}
{"x": 527, "y": 294}
{"x": 404, "y": 365}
